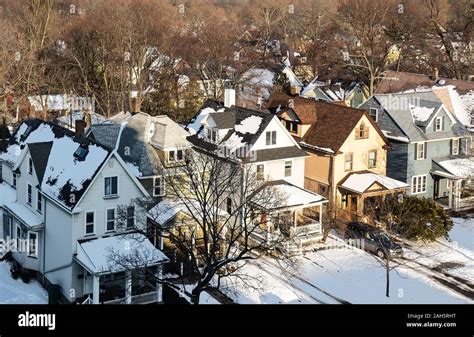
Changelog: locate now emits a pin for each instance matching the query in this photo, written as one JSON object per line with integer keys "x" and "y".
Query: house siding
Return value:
{"x": 397, "y": 161}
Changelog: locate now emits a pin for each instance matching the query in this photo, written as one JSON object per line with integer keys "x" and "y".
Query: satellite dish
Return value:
{"x": 441, "y": 82}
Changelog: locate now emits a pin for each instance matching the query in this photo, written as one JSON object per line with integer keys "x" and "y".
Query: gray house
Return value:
{"x": 429, "y": 147}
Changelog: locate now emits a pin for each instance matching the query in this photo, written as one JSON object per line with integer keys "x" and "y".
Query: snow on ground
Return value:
{"x": 338, "y": 275}
{"x": 17, "y": 292}
{"x": 462, "y": 233}
{"x": 205, "y": 298}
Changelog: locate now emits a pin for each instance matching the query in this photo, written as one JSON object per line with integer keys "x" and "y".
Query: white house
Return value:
{"x": 259, "y": 141}
{"x": 61, "y": 195}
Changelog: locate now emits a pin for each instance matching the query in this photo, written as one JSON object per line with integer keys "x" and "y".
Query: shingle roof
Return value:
{"x": 394, "y": 82}
{"x": 39, "y": 155}
{"x": 331, "y": 123}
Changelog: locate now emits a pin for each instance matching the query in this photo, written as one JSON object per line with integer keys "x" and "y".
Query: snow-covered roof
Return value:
{"x": 398, "y": 138}
{"x": 29, "y": 218}
{"x": 287, "y": 195}
{"x": 459, "y": 167}
{"x": 118, "y": 253}
{"x": 167, "y": 209}
{"x": 70, "y": 121}
{"x": 65, "y": 174}
{"x": 421, "y": 113}
{"x": 360, "y": 182}
{"x": 461, "y": 105}
{"x": 7, "y": 194}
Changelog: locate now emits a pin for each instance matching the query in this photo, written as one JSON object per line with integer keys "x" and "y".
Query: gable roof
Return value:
{"x": 136, "y": 137}
{"x": 331, "y": 124}
{"x": 246, "y": 126}
{"x": 394, "y": 82}
{"x": 64, "y": 177}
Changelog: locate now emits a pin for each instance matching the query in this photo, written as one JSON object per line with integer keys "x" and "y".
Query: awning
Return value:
{"x": 27, "y": 217}
{"x": 280, "y": 194}
{"x": 460, "y": 168}
{"x": 118, "y": 253}
{"x": 361, "y": 182}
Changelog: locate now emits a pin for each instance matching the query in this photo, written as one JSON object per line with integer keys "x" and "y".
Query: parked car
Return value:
{"x": 373, "y": 240}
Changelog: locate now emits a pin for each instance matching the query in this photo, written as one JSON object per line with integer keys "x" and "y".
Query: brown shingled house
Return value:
{"x": 347, "y": 152}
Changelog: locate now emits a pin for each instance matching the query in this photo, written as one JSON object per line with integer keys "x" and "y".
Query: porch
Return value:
{"x": 121, "y": 269}
{"x": 453, "y": 186}
{"x": 361, "y": 192}
{"x": 294, "y": 223}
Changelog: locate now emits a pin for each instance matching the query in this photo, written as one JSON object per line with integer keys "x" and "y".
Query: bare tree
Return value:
{"x": 225, "y": 218}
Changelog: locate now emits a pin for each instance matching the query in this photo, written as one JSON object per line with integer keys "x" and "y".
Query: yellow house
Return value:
{"x": 347, "y": 152}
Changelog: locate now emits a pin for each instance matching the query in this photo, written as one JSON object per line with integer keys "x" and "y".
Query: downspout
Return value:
{"x": 44, "y": 241}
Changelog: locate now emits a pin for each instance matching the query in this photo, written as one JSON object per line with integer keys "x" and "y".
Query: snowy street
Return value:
{"x": 440, "y": 272}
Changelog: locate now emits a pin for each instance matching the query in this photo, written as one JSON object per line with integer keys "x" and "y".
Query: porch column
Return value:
{"x": 321, "y": 215}
{"x": 294, "y": 218}
{"x": 159, "y": 287}
{"x": 161, "y": 241}
{"x": 95, "y": 289}
{"x": 450, "y": 194}
{"x": 128, "y": 287}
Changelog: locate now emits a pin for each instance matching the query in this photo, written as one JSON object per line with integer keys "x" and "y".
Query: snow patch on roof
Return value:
{"x": 461, "y": 167}
{"x": 420, "y": 113}
{"x": 249, "y": 125}
{"x": 360, "y": 182}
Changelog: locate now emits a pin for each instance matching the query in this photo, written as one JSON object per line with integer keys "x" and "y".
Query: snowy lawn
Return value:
{"x": 16, "y": 292}
{"x": 337, "y": 275}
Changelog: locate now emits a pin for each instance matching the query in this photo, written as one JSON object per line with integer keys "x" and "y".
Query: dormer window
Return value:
{"x": 213, "y": 135}
{"x": 175, "y": 155}
{"x": 30, "y": 166}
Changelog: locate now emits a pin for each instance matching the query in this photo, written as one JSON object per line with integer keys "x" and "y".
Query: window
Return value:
{"x": 291, "y": 126}
{"x": 110, "y": 186}
{"x": 455, "y": 146}
{"x": 420, "y": 151}
{"x": 373, "y": 112}
{"x": 110, "y": 220}
{"x": 212, "y": 135}
{"x": 158, "y": 187}
{"x": 260, "y": 172}
{"x": 90, "y": 222}
{"x": 372, "y": 158}
{"x": 362, "y": 132}
{"x": 130, "y": 217}
{"x": 19, "y": 232}
{"x": 39, "y": 202}
{"x": 29, "y": 196}
{"x": 229, "y": 205}
{"x": 14, "y": 180}
{"x": 418, "y": 184}
{"x": 171, "y": 155}
{"x": 180, "y": 154}
{"x": 439, "y": 123}
{"x": 348, "y": 162}
{"x": 271, "y": 137}
{"x": 32, "y": 244}
{"x": 288, "y": 165}
{"x": 30, "y": 166}
{"x": 322, "y": 189}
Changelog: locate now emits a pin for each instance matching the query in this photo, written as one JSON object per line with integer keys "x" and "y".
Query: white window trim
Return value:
{"x": 29, "y": 203}
{"x": 271, "y": 137}
{"x": 376, "y": 114}
{"x": 440, "y": 118}
{"x": 39, "y": 200}
{"x": 162, "y": 187}
{"x": 352, "y": 161}
{"x": 30, "y": 166}
{"x": 455, "y": 153}
{"x": 107, "y": 220}
{"x": 35, "y": 255}
{"x": 85, "y": 223}
{"x": 420, "y": 179}
{"x": 418, "y": 151}
{"x": 111, "y": 196}
{"x": 291, "y": 168}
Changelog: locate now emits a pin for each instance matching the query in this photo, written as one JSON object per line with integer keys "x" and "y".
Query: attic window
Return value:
{"x": 81, "y": 152}
{"x": 362, "y": 132}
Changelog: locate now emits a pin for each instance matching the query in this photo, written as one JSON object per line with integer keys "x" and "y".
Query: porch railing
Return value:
{"x": 147, "y": 298}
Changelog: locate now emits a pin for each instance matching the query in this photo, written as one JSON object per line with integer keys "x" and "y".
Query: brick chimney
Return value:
{"x": 80, "y": 127}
